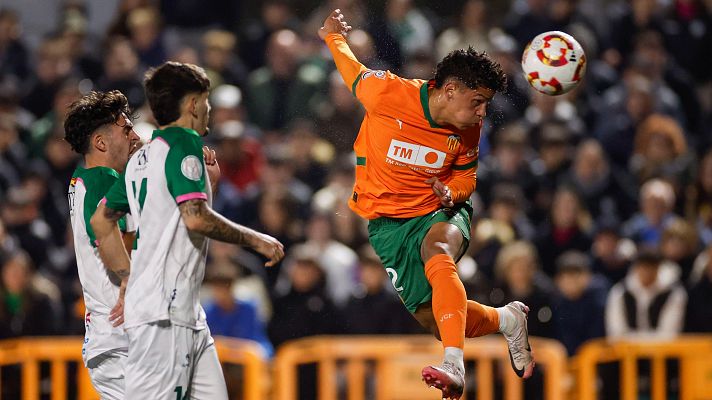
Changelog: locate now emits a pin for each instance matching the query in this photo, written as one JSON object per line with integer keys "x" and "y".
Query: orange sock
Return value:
{"x": 449, "y": 299}
{"x": 481, "y": 320}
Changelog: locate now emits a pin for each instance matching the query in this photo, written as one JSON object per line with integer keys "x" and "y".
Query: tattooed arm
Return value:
{"x": 200, "y": 218}
{"x": 112, "y": 251}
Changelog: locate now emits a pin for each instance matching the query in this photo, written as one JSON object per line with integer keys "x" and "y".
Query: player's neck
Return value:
{"x": 436, "y": 104}
{"x": 93, "y": 160}
{"x": 184, "y": 121}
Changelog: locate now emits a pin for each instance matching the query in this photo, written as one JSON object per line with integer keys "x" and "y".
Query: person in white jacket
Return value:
{"x": 649, "y": 303}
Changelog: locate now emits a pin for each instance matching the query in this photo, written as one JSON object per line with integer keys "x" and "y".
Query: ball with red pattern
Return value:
{"x": 553, "y": 63}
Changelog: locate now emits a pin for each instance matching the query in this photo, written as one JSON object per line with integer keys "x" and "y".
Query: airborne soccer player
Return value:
{"x": 99, "y": 128}
{"x": 171, "y": 353}
{"x": 416, "y": 163}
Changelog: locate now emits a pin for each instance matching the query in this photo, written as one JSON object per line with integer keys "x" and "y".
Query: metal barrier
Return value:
{"x": 30, "y": 353}
{"x": 396, "y": 363}
{"x": 694, "y": 353}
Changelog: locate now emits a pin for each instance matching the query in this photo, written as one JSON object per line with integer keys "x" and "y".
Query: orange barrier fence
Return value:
{"x": 393, "y": 366}
{"x": 693, "y": 352}
{"x": 59, "y": 352}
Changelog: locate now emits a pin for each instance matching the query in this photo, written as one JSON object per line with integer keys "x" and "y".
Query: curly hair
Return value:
{"x": 167, "y": 85}
{"x": 90, "y": 113}
{"x": 473, "y": 68}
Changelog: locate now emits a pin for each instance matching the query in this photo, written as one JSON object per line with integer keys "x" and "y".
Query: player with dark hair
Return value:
{"x": 416, "y": 163}
{"x": 98, "y": 126}
{"x": 171, "y": 352}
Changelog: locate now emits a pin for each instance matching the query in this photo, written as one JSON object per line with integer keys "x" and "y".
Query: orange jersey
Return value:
{"x": 399, "y": 145}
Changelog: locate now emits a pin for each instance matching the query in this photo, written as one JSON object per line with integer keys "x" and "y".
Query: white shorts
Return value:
{"x": 170, "y": 362}
{"x": 106, "y": 372}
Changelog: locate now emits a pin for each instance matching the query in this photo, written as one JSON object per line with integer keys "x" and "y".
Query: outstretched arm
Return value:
{"x": 112, "y": 251}
{"x": 333, "y": 33}
{"x": 200, "y": 218}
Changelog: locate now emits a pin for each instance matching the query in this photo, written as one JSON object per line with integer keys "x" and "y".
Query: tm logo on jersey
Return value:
{"x": 414, "y": 154}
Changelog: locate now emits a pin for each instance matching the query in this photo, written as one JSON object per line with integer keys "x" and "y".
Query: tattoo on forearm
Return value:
{"x": 113, "y": 215}
{"x": 217, "y": 227}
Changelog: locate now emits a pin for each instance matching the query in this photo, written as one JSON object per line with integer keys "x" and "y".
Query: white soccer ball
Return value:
{"x": 553, "y": 63}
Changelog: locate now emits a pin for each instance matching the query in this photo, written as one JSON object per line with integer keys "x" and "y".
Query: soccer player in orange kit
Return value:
{"x": 416, "y": 163}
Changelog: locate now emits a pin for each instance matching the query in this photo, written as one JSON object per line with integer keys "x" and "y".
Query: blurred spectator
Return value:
{"x": 304, "y": 309}
{"x": 555, "y": 147}
{"x": 74, "y": 30}
{"x": 374, "y": 308}
{"x": 12, "y": 153}
{"x": 409, "y": 26}
{"x": 680, "y": 245}
{"x": 146, "y": 34}
{"x": 228, "y": 316}
{"x": 472, "y": 30}
{"x": 687, "y": 29}
{"x": 611, "y": 252}
{"x": 657, "y": 199}
{"x": 520, "y": 278}
{"x": 52, "y": 123}
{"x": 120, "y": 26}
{"x": 21, "y": 216}
{"x": 698, "y": 207}
{"x": 699, "y": 312}
{"x": 285, "y": 88}
{"x": 581, "y": 302}
{"x": 624, "y": 107}
{"x": 338, "y": 261}
{"x": 14, "y": 57}
{"x": 25, "y": 311}
{"x": 505, "y": 222}
{"x": 606, "y": 192}
{"x": 240, "y": 155}
{"x": 121, "y": 71}
{"x": 511, "y": 105}
{"x": 661, "y": 152}
{"x": 507, "y": 164}
{"x": 626, "y": 20}
{"x": 649, "y": 303}
{"x": 310, "y": 155}
{"x": 53, "y": 65}
{"x": 339, "y": 118}
{"x": 568, "y": 229}
{"x": 528, "y": 19}
{"x": 275, "y": 15}
{"x": 220, "y": 61}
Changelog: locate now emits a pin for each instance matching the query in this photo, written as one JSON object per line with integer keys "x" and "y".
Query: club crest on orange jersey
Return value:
{"x": 453, "y": 141}
{"x": 73, "y": 182}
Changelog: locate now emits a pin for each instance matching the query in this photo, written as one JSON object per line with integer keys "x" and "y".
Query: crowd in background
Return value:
{"x": 594, "y": 208}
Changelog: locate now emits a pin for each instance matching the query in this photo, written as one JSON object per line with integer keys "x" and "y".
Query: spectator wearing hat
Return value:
{"x": 580, "y": 302}
{"x": 228, "y": 316}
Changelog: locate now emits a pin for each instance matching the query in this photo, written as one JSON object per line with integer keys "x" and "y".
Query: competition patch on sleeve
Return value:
{"x": 377, "y": 74}
{"x": 192, "y": 168}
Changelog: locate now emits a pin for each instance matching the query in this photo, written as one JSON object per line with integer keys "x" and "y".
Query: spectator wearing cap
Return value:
{"x": 657, "y": 199}
{"x": 649, "y": 303}
{"x": 580, "y": 302}
{"x": 228, "y": 316}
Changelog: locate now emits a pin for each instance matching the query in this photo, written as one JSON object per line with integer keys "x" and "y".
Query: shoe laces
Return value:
{"x": 453, "y": 369}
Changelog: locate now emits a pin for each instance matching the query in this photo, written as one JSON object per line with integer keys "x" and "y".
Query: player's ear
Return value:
{"x": 98, "y": 141}
{"x": 193, "y": 105}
